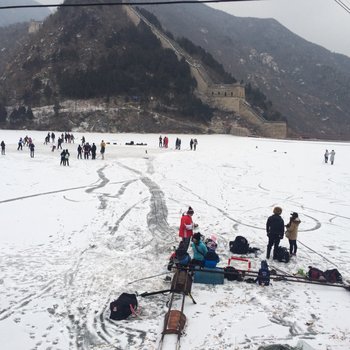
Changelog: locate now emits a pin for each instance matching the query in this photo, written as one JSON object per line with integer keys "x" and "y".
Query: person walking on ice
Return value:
{"x": 3, "y": 147}
{"x": 326, "y": 155}
{"x": 67, "y": 157}
{"x": 331, "y": 158}
{"x": 103, "y": 149}
{"x": 31, "y": 148}
{"x": 20, "y": 144}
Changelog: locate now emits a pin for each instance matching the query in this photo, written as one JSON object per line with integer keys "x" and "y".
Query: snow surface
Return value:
{"x": 74, "y": 238}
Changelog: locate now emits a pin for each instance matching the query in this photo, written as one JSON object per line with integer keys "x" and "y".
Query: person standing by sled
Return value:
{"x": 186, "y": 227}
{"x": 292, "y": 233}
{"x": 275, "y": 231}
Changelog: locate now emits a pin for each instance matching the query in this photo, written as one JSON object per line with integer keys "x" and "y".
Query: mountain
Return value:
{"x": 87, "y": 53}
{"x": 12, "y": 16}
{"x": 308, "y": 84}
{"x": 135, "y": 84}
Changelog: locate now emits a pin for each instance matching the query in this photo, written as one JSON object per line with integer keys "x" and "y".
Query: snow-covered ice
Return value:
{"x": 73, "y": 239}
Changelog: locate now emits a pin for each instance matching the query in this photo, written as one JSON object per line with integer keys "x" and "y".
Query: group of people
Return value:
{"x": 276, "y": 229}
{"x": 88, "y": 150}
{"x": 164, "y": 142}
{"x": 204, "y": 252}
{"x": 65, "y": 157}
{"x": 26, "y": 141}
{"x": 330, "y": 156}
{"x": 193, "y": 144}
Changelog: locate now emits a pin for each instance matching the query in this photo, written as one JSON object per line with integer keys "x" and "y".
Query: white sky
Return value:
{"x": 323, "y": 22}
{"x": 73, "y": 238}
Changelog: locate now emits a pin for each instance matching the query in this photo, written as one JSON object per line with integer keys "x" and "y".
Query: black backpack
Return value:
{"x": 239, "y": 245}
{"x": 123, "y": 307}
{"x": 232, "y": 274}
{"x": 282, "y": 254}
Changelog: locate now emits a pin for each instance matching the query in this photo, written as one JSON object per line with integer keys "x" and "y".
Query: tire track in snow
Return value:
{"x": 157, "y": 217}
{"x": 43, "y": 194}
{"x": 102, "y": 183}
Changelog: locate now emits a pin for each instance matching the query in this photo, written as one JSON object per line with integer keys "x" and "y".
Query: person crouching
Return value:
{"x": 199, "y": 250}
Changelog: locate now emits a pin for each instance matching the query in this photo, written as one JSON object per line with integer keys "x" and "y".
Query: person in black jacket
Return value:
{"x": 274, "y": 230}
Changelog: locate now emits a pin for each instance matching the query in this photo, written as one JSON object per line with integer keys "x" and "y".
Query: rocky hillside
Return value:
{"x": 307, "y": 83}
{"x": 95, "y": 53}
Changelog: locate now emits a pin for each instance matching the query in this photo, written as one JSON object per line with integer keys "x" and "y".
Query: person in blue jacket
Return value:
{"x": 199, "y": 250}
{"x": 211, "y": 259}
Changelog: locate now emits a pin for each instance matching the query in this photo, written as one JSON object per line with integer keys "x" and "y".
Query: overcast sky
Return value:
{"x": 323, "y": 22}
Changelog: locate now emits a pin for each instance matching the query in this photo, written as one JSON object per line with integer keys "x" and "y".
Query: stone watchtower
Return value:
{"x": 226, "y": 96}
{"x": 34, "y": 26}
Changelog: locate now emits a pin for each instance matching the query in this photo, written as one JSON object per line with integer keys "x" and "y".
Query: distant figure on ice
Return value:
{"x": 195, "y": 143}
{"x": 103, "y": 149}
{"x": 59, "y": 143}
{"x": 331, "y": 158}
{"x": 83, "y": 141}
{"x": 186, "y": 227}
{"x": 326, "y": 154}
{"x": 87, "y": 150}
{"x": 53, "y": 137}
{"x": 178, "y": 143}
{"x": 93, "y": 151}
{"x": 191, "y": 144}
{"x": 160, "y": 141}
{"x": 275, "y": 231}
{"x": 20, "y": 144}
{"x": 165, "y": 142}
{"x": 67, "y": 157}
{"x": 31, "y": 148}
{"x": 3, "y": 147}
{"x": 63, "y": 158}
{"x": 292, "y": 233}
{"x": 80, "y": 150}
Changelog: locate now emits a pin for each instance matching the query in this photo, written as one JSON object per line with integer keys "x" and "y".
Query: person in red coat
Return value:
{"x": 186, "y": 227}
